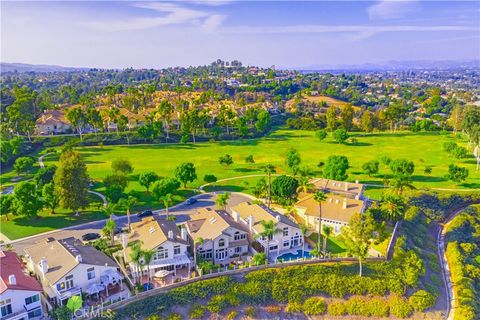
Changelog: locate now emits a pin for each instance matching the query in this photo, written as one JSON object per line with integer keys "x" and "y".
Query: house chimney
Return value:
{"x": 44, "y": 265}
{"x": 344, "y": 203}
{"x": 184, "y": 233}
{"x": 357, "y": 197}
{"x": 277, "y": 217}
{"x": 250, "y": 223}
{"x": 12, "y": 280}
{"x": 78, "y": 257}
{"x": 357, "y": 181}
{"x": 236, "y": 216}
{"x": 170, "y": 234}
{"x": 346, "y": 186}
{"x": 124, "y": 240}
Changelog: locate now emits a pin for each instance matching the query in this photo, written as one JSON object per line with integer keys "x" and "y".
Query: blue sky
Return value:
{"x": 138, "y": 34}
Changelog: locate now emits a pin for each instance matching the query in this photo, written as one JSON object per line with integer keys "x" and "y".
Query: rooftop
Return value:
{"x": 11, "y": 265}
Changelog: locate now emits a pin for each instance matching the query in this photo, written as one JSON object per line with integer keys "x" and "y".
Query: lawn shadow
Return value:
{"x": 238, "y": 143}
{"x": 244, "y": 170}
{"x": 360, "y": 144}
{"x": 419, "y": 178}
{"x": 471, "y": 185}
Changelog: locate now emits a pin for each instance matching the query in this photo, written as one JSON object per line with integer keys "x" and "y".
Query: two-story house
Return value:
{"x": 67, "y": 267}
{"x": 164, "y": 237}
{"x": 287, "y": 237}
{"x": 20, "y": 293}
{"x": 223, "y": 238}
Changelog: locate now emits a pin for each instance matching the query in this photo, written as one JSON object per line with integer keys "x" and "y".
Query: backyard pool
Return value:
{"x": 294, "y": 256}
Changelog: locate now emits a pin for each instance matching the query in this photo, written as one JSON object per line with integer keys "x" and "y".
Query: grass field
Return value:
{"x": 424, "y": 149}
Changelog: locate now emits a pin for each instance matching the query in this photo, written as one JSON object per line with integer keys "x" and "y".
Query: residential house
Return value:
{"x": 224, "y": 239}
{"x": 20, "y": 293}
{"x": 288, "y": 236}
{"x": 164, "y": 237}
{"x": 336, "y": 212}
{"x": 52, "y": 122}
{"x": 67, "y": 267}
{"x": 347, "y": 189}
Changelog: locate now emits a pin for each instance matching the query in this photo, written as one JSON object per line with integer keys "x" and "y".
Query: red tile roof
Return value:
{"x": 10, "y": 264}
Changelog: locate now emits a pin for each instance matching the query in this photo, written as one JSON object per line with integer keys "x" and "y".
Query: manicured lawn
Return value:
{"x": 20, "y": 226}
{"x": 424, "y": 149}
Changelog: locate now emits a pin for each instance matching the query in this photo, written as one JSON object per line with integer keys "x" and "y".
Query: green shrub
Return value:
{"x": 399, "y": 307}
{"x": 153, "y": 317}
{"x": 293, "y": 307}
{"x": 250, "y": 311}
{"x": 356, "y": 306}
{"x": 232, "y": 315}
{"x": 314, "y": 306}
{"x": 174, "y": 316}
{"x": 377, "y": 307}
{"x": 217, "y": 303}
{"x": 337, "y": 309}
{"x": 422, "y": 300}
{"x": 196, "y": 312}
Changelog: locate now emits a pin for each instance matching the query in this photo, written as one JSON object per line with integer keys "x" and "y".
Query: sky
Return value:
{"x": 293, "y": 34}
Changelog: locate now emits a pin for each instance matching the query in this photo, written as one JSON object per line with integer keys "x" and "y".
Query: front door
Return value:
{"x": 221, "y": 254}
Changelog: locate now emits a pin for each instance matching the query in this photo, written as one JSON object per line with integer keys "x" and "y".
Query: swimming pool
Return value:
{"x": 293, "y": 256}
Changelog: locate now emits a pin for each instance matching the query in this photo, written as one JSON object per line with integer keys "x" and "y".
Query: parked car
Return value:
{"x": 145, "y": 213}
{"x": 190, "y": 201}
{"x": 90, "y": 236}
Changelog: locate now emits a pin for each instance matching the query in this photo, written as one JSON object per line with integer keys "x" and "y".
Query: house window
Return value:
{"x": 238, "y": 249}
{"x": 239, "y": 236}
{"x": 221, "y": 243}
{"x": 275, "y": 247}
{"x": 6, "y": 307}
{"x": 65, "y": 285}
{"x": 162, "y": 253}
{"x": 207, "y": 254}
{"x": 176, "y": 250}
{"x": 35, "y": 313}
{"x": 286, "y": 243}
{"x": 32, "y": 299}
{"x": 285, "y": 231}
{"x": 90, "y": 273}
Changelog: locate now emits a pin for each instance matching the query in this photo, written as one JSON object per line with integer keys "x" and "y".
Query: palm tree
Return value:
{"x": 269, "y": 229}
{"x": 269, "y": 169}
{"x": 304, "y": 185}
{"x": 394, "y": 207}
{"x": 109, "y": 230}
{"x": 303, "y": 231}
{"x": 222, "y": 200}
{"x": 129, "y": 203}
{"x": 147, "y": 260}
{"x": 196, "y": 242}
{"x": 109, "y": 209}
{"x": 327, "y": 232}
{"x": 167, "y": 201}
{"x": 136, "y": 257}
{"x": 319, "y": 197}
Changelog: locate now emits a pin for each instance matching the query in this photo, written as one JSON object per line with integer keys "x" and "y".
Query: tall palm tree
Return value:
{"x": 394, "y": 207}
{"x": 199, "y": 241}
{"x": 269, "y": 229}
{"x": 109, "y": 209}
{"x": 109, "y": 230}
{"x": 167, "y": 201}
{"x": 319, "y": 197}
{"x": 147, "y": 260}
{"x": 136, "y": 258}
{"x": 327, "y": 232}
{"x": 129, "y": 203}
{"x": 222, "y": 200}
{"x": 269, "y": 169}
{"x": 304, "y": 185}
{"x": 303, "y": 231}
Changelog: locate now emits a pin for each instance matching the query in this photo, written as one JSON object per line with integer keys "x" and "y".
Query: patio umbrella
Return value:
{"x": 161, "y": 274}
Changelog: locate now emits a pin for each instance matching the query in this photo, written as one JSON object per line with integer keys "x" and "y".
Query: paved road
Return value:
{"x": 181, "y": 211}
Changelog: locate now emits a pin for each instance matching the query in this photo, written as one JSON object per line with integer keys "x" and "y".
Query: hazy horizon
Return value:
{"x": 286, "y": 34}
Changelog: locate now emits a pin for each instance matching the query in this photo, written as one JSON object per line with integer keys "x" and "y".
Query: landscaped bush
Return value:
{"x": 422, "y": 300}
{"x": 293, "y": 307}
{"x": 377, "y": 307}
{"x": 174, "y": 316}
{"x": 337, "y": 308}
{"x": 196, "y": 312}
{"x": 314, "y": 306}
{"x": 399, "y": 307}
{"x": 356, "y": 306}
{"x": 250, "y": 311}
{"x": 217, "y": 303}
{"x": 274, "y": 309}
{"x": 232, "y": 315}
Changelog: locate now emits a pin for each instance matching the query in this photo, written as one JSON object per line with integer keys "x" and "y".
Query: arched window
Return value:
{"x": 162, "y": 253}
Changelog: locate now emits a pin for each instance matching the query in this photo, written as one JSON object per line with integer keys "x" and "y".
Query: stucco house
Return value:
{"x": 344, "y": 188}
{"x": 20, "y": 293}
{"x": 52, "y": 122}
{"x": 67, "y": 267}
{"x": 288, "y": 236}
{"x": 165, "y": 238}
{"x": 224, "y": 239}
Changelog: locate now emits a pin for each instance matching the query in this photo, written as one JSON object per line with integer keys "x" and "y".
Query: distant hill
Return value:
{"x": 23, "y": 67}
{"x": 396, "y": 66}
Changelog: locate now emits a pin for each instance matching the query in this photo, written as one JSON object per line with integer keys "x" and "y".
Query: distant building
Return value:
{"x": 20, "y": 293}
{"x": 52, "y": 122}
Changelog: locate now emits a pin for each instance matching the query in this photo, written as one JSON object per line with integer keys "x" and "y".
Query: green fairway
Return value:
{"x": 424, "y": 149}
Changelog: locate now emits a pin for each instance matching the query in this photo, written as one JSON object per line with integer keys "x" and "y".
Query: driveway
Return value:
{"x": 181, "y": 211}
